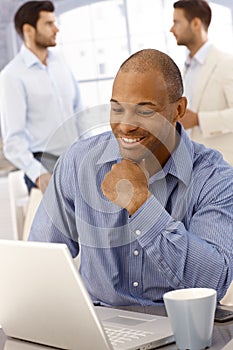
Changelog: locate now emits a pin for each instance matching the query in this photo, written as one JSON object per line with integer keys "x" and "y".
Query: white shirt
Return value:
{"x": 192, "y": 70}
{"x": 36, "y": 105}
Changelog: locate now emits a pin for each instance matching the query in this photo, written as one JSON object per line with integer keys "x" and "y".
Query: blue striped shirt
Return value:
{"x": 181, "y": 237}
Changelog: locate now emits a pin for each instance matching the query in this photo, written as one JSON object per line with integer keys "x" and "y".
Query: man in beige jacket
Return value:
{"x": 208, "y": 79}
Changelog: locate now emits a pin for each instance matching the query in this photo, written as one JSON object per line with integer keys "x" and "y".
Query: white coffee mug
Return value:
{"x": 191, "y": 312}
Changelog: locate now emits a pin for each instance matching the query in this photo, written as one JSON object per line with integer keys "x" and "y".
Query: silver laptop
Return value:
{"x": 43, "y": 300}
{"x": 16, "y": 344}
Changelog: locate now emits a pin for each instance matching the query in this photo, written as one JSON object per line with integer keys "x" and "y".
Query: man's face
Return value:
{"x": 182, "y": 28}
{"x": 46, "y": 30}
{"x": 142, "y": 119}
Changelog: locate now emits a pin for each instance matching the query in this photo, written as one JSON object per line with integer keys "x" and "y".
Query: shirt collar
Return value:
{"x": 30, "y": 58}
{"x": 111, "y": 152}
{"x": 200, "y": 55}
{"x": 179, "y": 165}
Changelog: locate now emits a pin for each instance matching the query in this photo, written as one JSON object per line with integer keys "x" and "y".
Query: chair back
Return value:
{"x": 18, "y": 195}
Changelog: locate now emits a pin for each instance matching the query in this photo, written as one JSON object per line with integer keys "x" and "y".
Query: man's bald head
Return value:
{"x": 154, "y": 60}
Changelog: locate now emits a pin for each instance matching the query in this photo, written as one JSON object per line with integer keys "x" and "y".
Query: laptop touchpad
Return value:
{"x": 128, "y": 321}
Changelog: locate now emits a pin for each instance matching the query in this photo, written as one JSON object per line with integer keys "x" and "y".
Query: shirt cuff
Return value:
{"x": 151, "y": 215}
{"x": 35, "y": 170}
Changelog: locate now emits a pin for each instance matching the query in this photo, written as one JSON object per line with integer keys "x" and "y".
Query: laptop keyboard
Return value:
{"x": 119, "y": 336}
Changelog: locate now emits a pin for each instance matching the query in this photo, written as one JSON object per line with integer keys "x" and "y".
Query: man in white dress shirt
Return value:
{"x": 38, "y": 97}
{"x": 208, "y": 78}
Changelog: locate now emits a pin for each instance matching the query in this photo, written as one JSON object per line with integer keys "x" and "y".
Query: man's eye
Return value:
{"x": 117, "y": 109}
{"x": 145, "y": 112}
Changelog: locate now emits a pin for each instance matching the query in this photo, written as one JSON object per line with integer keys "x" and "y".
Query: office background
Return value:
{"x": 97, "y": 35}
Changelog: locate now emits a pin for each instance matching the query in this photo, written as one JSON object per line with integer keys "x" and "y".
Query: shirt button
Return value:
{"x": 135, "y": 284}
{"x": 136, "y": 252}
{"x": 138, "y": 232}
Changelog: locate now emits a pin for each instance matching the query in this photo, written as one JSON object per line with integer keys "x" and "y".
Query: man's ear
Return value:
{"x": 27, "y": 31}
{"x": 196, "y": 23}
{"x": 181, "y": 105}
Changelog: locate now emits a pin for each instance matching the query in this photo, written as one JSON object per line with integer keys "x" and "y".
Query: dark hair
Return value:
{"x": 29, "y": 13}
{"x": 151, "y": 59}
{"x": 195, "y": 8}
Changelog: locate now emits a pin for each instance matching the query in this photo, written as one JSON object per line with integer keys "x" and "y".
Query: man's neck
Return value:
{"x": 40, "y": 53}
{"x": 194, "y": 50}
{"x": 195, "y": 46}
{"x": 156, "y": 162}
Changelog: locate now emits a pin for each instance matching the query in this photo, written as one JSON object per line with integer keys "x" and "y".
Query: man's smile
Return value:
{"x": 130, "y": 142}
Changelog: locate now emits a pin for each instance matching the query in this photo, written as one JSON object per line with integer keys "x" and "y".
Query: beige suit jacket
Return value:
{"x": 213, "y": 101}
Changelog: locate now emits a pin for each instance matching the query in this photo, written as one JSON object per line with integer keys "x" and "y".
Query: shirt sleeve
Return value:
{"x": 197, "y": 255}
{"x": 55, "y": 218}
{"x": 13, "y": 126}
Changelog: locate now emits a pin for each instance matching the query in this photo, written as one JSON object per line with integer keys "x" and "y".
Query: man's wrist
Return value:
{"x": 135, "y": 204}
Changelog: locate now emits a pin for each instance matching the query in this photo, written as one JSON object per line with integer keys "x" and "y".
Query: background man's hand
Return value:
{"x": 126, "y": 185}
{"x": 190, "y": 119}
{"x": 42, "y": 181}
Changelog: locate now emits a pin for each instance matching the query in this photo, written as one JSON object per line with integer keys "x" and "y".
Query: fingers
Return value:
{"x": 43, "y": 181}
{"x": 125, "y": 192}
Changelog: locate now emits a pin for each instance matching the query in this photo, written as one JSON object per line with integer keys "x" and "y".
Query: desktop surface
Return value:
{"x": 223, "y": 333}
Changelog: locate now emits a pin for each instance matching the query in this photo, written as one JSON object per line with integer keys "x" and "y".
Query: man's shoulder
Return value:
{"x": 95, "y": 139}
{"x": 219, "y": 56}
{"x": 209, "y": 160}
{"x": 15, "y": 67}
{"x": 212, "y": 176}
{"x": 90, "y": 144}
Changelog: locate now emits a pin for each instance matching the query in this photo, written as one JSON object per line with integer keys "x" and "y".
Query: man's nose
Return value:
{"x": 56, "y": 29}
{"x": 127, "y": 127}
{"x": 130, "y": 116}
{"x": 129, "y": 121}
